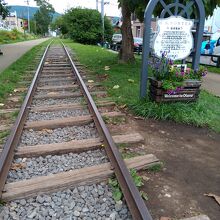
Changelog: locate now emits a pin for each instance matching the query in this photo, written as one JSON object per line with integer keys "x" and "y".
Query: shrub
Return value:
{"x": 85, "y": 26}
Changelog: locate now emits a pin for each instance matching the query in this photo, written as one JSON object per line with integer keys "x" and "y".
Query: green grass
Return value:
{"x": 10, "y": 77}
{"x": 3, "y": 135}
{"x": 213, "y": 69}
{"x": 14, "y": 36}
{"x": 204, "y": 113}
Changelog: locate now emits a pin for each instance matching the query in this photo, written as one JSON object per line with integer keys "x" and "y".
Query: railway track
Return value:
{"x": 60, "y": 152}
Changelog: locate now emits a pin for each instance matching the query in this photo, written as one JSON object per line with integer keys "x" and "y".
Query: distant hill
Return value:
{"x": 22, "y": 11}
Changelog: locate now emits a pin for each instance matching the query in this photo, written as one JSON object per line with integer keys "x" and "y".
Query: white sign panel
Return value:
{"x": 174, "y": 37}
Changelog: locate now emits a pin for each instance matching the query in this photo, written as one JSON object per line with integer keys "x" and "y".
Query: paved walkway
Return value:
{"x": 211, "y": 83}
{"x": 12, "y": 52}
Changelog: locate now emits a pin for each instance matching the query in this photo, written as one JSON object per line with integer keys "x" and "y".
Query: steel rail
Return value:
{"x": 7, "y": 154}
{"x": 132, "y": 196}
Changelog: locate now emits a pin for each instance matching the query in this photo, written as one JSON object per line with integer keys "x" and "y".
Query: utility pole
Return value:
{"x": 29, "y": 29}
{"x": 97, "y": 5}
{"x": 103, "y": 22}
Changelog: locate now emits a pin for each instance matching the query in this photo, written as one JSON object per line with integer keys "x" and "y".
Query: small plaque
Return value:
{"x": 174, "y": 37}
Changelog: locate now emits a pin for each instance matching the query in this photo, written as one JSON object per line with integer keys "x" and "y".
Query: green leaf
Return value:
{"x": 144, "y": 195}
{"x": 117, "y": 195}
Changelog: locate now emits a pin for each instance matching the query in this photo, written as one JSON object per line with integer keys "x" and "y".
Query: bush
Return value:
{"x": 14, "y": 35}
{"x": 85, "y": 26}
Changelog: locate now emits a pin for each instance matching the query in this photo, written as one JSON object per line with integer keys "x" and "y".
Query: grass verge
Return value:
{"x": 10, "y": 77}
{"x": 14, "y": 36}
{"x": 122, "y": 83}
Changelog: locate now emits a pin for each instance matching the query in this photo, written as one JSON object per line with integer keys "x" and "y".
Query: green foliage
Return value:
{"x": 156, "y": 168}
{"x": 84, "y": 26}
{"x": 171, "y": 76}
{"x": 13, "y": 36}
{"x": 4, "y": 10}
{"x": 138, "y": 181}
{"x": 205, "y": 112}
{"x": 140, "y": 6}
{"x": 60, "y": 25}
{"x": 117, "y": 193}
{"x": 3, "y": 135}
{"x": 43, "y": 16}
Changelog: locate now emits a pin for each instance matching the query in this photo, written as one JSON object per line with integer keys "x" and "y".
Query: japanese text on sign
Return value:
{"x": 174, "y": 38}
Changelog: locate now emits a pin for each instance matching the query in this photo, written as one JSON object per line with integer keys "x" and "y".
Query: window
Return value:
{"x": 138, "y": 31}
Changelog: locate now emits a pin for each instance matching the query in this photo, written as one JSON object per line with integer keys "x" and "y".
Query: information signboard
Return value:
{"x": 174, "y": 37}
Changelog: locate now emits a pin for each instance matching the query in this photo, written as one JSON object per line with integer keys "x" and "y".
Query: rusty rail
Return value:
{"x": 7, "y": 154}
{"x": 134, "y": 201}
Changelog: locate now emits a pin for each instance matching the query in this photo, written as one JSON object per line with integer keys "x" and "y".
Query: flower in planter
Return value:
{"x": 173, "y": 76}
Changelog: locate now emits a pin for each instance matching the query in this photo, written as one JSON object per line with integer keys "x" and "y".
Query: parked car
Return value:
{"x": 117, "y": 40}
{"x": 216, "y": 50}
{"x": 138, "y": 43}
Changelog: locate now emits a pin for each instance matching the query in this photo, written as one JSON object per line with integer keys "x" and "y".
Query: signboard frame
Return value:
{"x": 192, "y": 8}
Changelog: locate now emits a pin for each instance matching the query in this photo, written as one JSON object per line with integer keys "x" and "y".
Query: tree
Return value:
{"x": 138, "y": 6}
{"x": 43, "y": 16}
{"x": 85, "y": 26}
{"x": 126, "y": 53}
{"x": 3, "y": 9}
{"x": 60, "y": 26}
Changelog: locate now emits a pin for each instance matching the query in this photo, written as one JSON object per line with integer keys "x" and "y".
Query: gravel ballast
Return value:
{"x": 92, "y": 202}
{"x": 44, "y": 166}
{"x": 36, "y": 116}
{"x": 45, "y": 102}
{"x": 58, "y": 135}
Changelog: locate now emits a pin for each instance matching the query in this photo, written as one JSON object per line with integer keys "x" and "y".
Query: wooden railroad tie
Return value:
{"x": 75, "y": 146}
{"x": 84, "y": 176}
{"x": 71, "y": 121}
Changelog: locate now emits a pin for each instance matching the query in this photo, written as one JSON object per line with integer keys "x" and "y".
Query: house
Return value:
{"x": 138, "y": 27}
{"x": 12, "y": 22}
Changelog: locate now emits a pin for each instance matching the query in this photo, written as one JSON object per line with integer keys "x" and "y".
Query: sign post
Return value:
{"x": 174, "y": 37}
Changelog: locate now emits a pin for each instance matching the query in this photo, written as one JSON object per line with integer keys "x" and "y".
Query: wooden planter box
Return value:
{"x": 189, "y": 92}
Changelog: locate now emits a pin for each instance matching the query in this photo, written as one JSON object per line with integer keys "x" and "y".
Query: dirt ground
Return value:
{"x": 191, "y": 158}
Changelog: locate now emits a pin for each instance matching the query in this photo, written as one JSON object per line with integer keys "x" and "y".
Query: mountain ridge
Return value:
{"x": 23, "y": 13}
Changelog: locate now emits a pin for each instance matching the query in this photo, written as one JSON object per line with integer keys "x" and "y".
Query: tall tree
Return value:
{"x": 3, "y": 9}
{"x": 138, "y": 6}
{"x": 84, "y": 26}
{"x": 43, "y": 16}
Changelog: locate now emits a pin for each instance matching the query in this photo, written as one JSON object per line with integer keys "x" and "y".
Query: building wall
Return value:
{"x": 138, "y": 27}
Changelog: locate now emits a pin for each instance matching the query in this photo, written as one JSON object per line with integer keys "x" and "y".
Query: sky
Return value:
{"x": 60, "y": 6}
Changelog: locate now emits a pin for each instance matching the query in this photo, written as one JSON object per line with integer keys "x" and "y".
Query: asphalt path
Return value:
{"x": 12, "y": 52}
{"x": 211, "y": 83}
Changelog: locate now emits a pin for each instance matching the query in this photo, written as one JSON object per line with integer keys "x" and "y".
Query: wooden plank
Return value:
{"x": 56, "y": 75}
{"x": 54, "y": 182}
{"x": 63, "y": 122}
{"x": 69, "y": 79}
{"x": 53, "y": 108}
{"x": 59, "y": 95}
{"x": 9, "y": 110}
{"x": 67, "y": 95}
{"x": 74, "y": 146}
{"x": 64, "y": 87}
{"x": 59, "y": 123}
{"x": 5, "y": 127}
{"x": 57, "y": 65}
